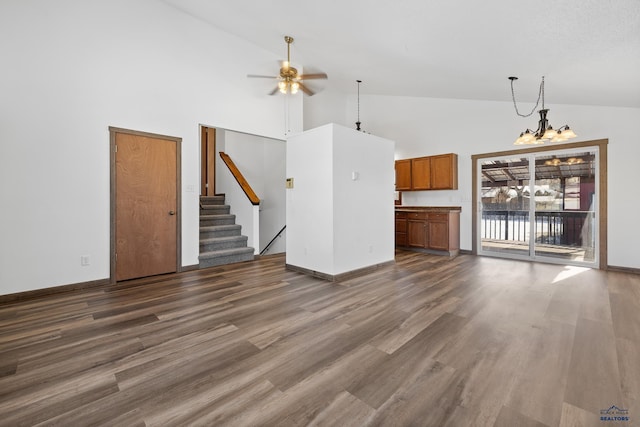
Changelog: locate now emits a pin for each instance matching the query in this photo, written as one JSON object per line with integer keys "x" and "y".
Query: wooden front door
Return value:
{"x": 146, "y": 204}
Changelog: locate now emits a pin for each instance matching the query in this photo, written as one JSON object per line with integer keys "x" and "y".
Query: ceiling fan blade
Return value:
{"x": 305, "y": 89}
{"x": 274, "y": 91}
{"x": 313, "y": 76}
{"x": 258, "y": 76}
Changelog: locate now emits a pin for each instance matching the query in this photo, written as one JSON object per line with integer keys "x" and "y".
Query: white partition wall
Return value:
{"x": 340, "y": 209}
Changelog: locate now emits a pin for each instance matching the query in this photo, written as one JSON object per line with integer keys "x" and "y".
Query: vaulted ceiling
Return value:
{"x": 588, "y": 50}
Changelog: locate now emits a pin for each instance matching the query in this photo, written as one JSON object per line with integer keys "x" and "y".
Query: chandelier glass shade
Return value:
{"x": 545, "y": 132}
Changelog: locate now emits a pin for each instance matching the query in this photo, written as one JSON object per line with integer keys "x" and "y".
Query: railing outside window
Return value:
{"x": 565, "y": 228}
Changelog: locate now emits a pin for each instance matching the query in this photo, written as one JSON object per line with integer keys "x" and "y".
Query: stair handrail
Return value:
{"x": 253, "y": 198}
{"x": 266, "y": 248}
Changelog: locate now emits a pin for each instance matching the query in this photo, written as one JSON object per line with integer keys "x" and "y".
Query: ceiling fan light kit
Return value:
{"x": 289, "y": 81}
{"x": 545, "y": 132}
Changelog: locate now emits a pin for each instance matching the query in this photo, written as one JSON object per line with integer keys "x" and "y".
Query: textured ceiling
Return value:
{"x": 588, "y": 50}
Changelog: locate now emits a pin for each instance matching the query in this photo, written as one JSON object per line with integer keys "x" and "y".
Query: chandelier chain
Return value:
{"x": 358, "y": 123}
{"x": 540, "y": 96}
{"x": 359, "y": 81}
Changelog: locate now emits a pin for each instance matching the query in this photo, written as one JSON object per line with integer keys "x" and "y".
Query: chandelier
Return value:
{"x": 545, "y": 132}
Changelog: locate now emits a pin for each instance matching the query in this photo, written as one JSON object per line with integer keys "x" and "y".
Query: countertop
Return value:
{"x": 427, "y": 208}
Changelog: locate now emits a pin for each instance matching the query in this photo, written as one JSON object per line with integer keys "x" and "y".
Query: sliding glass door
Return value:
{"x": 540, "y": 206}
{"x": 505, "y": 224}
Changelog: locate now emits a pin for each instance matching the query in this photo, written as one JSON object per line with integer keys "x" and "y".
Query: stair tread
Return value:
{"x": 225, "y": 252}
{"x": 212, "y": 200}
{"x": 220, "y": 227}
{"x": 223, "y": 239}
{"x": 221, "y": 216}
{"x": 221, "y": 230}
{"x": 205, "y": 206}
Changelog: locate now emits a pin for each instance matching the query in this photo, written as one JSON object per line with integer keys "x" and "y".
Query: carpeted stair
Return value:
{"x": 220, "y": 239}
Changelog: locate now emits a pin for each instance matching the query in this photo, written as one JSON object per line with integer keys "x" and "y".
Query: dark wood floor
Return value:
{"x": 429, "y": 341}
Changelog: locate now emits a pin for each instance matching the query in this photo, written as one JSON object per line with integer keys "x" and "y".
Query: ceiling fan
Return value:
{"x": 289, "y": 81}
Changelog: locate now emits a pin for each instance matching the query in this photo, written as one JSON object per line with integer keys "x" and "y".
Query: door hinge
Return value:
{"x": 115, "y": 149}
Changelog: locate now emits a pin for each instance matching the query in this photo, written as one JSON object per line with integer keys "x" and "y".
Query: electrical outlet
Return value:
{"x": 85, "y": 260}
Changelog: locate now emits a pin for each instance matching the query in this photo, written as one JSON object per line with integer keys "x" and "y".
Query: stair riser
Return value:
{"x": 216, "y": 246}
{"x": 212, "y": 200}
{"x": 212, "y": 262}
{"x": 219, "y": 233}
{"x": 208, "y": 222}
{"x": 215, "y": 210}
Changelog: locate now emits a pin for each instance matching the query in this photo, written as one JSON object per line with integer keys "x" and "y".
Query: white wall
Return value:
{"x": 326, "y": 106}
{"x": 335, "y": 223}
{"x": 73, "y": 68}
{"x": 262, "y": 162}
{"x": 363, "y": 212}
{"x": 273, "y": 203}
{"x": 426, "y": 126}
{"x": 309, "y": 237}
{"x": 246, "y": 214}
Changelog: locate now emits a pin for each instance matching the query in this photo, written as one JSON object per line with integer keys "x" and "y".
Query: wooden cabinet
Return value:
{"x": 403, "y": 175}
{"x": 433, "y": 230}
{"x": 417, "y": 229}
{"x": 401, "y": 229}
{"x": 421, "y": 173}
{"x": 427, "y": 173}
{"x": 438, "y": 230}
{"x": 444, "y": 172}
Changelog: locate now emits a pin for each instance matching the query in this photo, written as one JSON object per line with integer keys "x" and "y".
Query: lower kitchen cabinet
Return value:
{"x": 429, "y": 229}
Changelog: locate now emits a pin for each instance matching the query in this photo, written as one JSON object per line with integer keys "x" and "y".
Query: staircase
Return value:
{"x": 220, "y": 239}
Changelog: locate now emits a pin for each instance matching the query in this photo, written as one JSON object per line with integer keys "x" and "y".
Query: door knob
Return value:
{"x": 172, "y": 212}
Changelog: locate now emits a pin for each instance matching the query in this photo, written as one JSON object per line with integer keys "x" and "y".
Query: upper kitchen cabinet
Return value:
{"x": 403, "y": 175}
{"x": 444, "y": 172}
{"x": 427, "y": 173}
